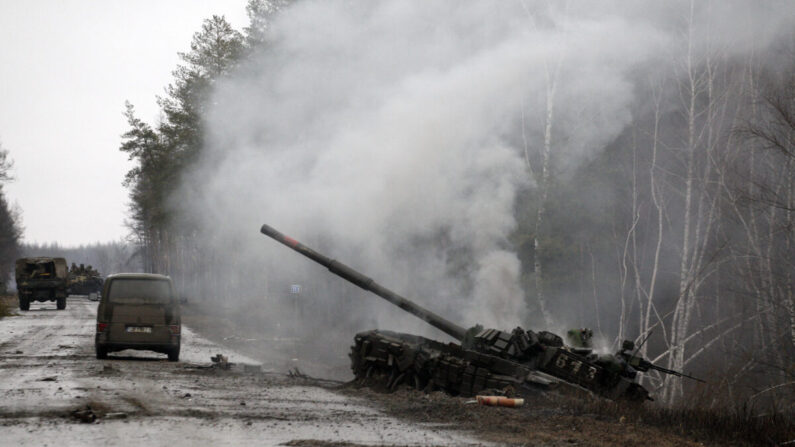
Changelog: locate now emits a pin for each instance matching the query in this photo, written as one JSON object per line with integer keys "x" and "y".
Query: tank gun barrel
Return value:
{"x": 368, "y": 284}
{"x": 644, "y": 365}
{"x": 648, "y": 365}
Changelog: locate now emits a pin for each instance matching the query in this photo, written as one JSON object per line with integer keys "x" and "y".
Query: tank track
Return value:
{"x": 393, "y": 359}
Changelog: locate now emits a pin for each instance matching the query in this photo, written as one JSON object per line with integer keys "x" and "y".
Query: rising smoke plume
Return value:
{"x": 393, "y": 136}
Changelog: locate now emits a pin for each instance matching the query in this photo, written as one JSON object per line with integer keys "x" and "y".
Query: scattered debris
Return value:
{"x": 500, "y": 401}
{"x": 221, "y": 361}
{"x": 116, "y": 415}
{"x": 18, "y": 351}
{"x": 85, "y": 415}
{"x": 49, "y": 379}
{"x": 187, "y": 396}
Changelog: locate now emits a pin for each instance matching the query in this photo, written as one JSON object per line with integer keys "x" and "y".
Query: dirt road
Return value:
{"x": 48, "y": 370}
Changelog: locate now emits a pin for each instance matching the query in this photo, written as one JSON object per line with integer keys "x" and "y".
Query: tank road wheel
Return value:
{"x": 24, "y": 304}
{"x": 61, "y": 303}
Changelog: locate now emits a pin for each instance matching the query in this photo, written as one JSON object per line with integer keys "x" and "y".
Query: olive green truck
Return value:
{"x": 41, "y": 279}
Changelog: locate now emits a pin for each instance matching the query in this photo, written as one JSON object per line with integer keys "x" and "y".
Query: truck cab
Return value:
{"x": 41, "y": 279}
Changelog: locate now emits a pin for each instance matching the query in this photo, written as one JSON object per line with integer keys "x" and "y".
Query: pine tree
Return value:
{"x": 10, "y": 228}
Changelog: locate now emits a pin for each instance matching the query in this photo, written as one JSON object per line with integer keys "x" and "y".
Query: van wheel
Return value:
{"x": 24, "y": 304}
{"x": 102, "y": 353}
{"x": 173, "y": 355}
{"x": 61, "y": 303}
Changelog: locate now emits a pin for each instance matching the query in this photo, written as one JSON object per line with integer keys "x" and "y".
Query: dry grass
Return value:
{"x": 7, "y": 305}
{"x": 741, "y": 425}
{"x": 558, "y": 420}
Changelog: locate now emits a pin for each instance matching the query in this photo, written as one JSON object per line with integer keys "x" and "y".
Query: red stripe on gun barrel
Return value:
{"x": 292, "y": 242}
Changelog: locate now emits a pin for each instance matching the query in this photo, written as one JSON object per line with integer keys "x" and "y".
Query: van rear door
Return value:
{"x": 140, "y": 311}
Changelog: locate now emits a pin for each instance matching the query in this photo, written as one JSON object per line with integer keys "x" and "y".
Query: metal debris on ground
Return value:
{"x": 219, "y": 358}
{"x": 499, "y": 401}
{"x": 117, "y": 415}
{"x": 221, "y": 361}
{"x": 85, "y": 415}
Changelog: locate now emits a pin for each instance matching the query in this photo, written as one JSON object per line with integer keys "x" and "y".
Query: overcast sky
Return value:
{"x": 66, "y": 68}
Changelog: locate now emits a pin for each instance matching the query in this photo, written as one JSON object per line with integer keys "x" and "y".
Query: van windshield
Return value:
{"x": 139, "y": 291}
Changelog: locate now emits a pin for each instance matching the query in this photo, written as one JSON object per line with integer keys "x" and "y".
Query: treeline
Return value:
{"x": 165, "y": 152}
{"x": 10, "y": 225}
{"x": 694, "y": 245}
{"x": 680, "y": 230}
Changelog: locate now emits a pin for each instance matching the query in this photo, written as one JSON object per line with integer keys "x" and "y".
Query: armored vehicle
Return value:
{"x": 41, "y": 279}
{"x": 84, "y": 280}
{"x": 138, "y": 311}
{"x": 484, "y": 358}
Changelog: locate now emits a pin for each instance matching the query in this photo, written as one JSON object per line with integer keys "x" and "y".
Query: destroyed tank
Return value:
{"x": 484, "y": 359}
{"x": 84, "y": 280}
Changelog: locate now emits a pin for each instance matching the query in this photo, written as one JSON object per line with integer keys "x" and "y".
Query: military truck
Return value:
{"x": 41, "y": 279}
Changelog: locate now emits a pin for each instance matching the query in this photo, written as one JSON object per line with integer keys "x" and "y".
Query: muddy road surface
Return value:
{"x": 53, "y": 391}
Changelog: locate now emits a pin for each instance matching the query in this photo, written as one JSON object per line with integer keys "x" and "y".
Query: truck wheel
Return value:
{"x": 102, "y": 353}
{"x": 61, "y": 303}
{"x": 173, "y": 355}
{"x": 24, "y": 304}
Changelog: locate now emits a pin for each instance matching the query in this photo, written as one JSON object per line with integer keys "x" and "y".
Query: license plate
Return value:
{"x": 140, "y": 329}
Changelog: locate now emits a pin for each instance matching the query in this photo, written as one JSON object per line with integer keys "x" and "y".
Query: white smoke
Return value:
{"x": 387, "y": 134}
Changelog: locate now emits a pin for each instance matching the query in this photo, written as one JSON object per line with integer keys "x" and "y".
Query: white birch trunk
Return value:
{"x": 542, "y": 203}
{"x": 679, "y": 325}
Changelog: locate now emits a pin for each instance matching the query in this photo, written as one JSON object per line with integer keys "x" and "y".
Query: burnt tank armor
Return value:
{"x": 484, "y": 359}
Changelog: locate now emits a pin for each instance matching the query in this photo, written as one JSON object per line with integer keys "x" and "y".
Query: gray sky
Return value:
{"x": 66, "y": 68}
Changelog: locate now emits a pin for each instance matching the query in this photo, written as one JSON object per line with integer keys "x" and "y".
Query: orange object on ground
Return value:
{"x": 499, "y": 401}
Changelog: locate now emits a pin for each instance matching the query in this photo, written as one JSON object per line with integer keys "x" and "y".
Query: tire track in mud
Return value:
{"x": 181, "y": 403}
{"x": 37, "y": 354}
